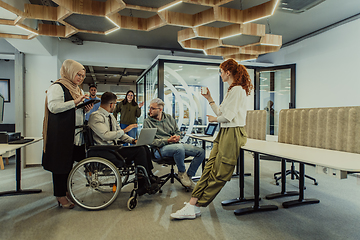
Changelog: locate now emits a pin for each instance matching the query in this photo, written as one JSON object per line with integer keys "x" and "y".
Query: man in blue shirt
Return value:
{"x": 92, "y": 91}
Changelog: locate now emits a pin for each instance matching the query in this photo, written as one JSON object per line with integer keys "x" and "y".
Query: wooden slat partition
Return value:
{"x": 336, "y": 128}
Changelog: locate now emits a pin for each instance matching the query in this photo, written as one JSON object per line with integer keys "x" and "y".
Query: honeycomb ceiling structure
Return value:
{"x": 212, "y": 26}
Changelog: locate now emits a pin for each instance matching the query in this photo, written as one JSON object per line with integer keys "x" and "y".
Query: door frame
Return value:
{"x": 292, "y": 68}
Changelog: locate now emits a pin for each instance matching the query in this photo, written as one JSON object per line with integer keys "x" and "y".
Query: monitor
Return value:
{"x": 2, "y": 100}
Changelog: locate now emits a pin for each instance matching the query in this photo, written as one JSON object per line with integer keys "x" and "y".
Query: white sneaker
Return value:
{"x": 184, "y": 179}
{"x": 197, "y": 211}
{"x": 187, "y": 212}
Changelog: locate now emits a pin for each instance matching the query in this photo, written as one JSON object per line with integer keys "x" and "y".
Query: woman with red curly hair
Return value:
{"x": 231, "y": 114}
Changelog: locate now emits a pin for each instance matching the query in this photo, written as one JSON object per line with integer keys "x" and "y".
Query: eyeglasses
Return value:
{"x": 130, "y": 95}
{"x": 80, "y": 75}
{"x": 151, "y": 108}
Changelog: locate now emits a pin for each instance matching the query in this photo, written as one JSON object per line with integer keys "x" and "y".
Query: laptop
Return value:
{"x": 146, "y": 136}
{"x": 209, "y": 131}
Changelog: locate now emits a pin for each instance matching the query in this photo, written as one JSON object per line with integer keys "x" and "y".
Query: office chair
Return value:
{"x": 167, "y": 161}
{"x": 294, "y": 173}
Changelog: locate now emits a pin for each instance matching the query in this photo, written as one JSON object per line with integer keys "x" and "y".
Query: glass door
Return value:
{"x": 275, "y": 90}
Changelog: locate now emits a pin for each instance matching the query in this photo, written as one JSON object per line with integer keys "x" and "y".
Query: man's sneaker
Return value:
{"x": 187, "y": 212}
{"x": 197, "y": 211}
{"x": 192, "y": 186}
{"x": 184, "y": 179}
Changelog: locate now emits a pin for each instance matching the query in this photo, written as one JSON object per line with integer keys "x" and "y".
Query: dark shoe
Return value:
{"x": 154, "y": 188}
{"x": 141, "y": 191}
{"x": 155, "y": 179}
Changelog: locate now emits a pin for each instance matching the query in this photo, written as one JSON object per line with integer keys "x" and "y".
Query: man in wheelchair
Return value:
{"x": 107, "y": 132}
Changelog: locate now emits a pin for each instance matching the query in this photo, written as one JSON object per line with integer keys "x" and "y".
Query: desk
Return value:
{"x": 9, "y": 147}
{"x": 239, "y": 172}
{"x": 204, "y": 140}
{"x": 344, "y": 161}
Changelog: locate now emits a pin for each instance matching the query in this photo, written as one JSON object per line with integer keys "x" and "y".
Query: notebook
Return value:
{"x": 209, "y": 131}
{"x": 146, "y": 136}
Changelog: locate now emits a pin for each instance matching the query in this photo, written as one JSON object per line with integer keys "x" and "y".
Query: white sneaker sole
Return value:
{"x": 183, "y": 216}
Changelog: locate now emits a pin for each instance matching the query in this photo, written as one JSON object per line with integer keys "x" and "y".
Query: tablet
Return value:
{"x": 82, "y": 105}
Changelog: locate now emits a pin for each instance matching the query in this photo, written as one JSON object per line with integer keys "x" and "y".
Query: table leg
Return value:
{"x": 196, "y": 178}
{"x": 240, "y": 199}
{"x": 301, "y": 200}
{"x": 283, "y": 192}
{"x": 256, "y": 207}
{"x": 18, "y": 190}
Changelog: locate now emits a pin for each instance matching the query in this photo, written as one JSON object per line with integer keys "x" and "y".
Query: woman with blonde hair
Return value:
{"x": 231, "y": 114}
{"x": 63, "y": 141}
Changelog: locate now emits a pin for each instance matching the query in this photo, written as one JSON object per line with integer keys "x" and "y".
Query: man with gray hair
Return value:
{"x": 167, "y": 140}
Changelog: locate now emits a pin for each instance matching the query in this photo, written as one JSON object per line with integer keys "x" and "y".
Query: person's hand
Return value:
{"x": 173, "y": 139}
{"x": 88, "y": 107}
{"x": 141, "y": 104}
{"x": 207, "y": 95}
{"x": 131, "y": 126}
{"x": 80, "y": 99}
{"x": 211, "y": 118}
{"x": 177, "y": 139}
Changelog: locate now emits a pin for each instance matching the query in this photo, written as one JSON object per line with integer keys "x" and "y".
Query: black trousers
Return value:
{"x": 139, "y": 154}
{"x": 60, "y": 180}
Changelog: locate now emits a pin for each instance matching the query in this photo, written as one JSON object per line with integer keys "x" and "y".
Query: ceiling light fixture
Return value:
{"x": 269, "y": 44}
{"x": 248, "y": 59}
{"x": 162, "y": 9}
{"x": 272, "y": 13}
{"x": 112, "y": 22}
{"x": 198, "y": 49}
{"x": 29, "y": 30}
{"x": 112, "y": 30}
{"x": 276, "y": 4}
{"x": 288, "y": 9}
{"x": 231, "y": 36}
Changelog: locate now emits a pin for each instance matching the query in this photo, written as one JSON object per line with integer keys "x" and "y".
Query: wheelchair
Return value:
{"x": 95, "y": 182}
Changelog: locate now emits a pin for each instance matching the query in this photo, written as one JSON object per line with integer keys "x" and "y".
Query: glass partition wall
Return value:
{"x": 178, "y": 84}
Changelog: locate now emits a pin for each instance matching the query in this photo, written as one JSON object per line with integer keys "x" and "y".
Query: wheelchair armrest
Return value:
{"x": 108, "y": 148}
{"x": 105, "y": 147}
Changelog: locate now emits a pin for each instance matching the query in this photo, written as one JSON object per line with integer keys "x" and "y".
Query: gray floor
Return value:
{"x": 37, "y": 216}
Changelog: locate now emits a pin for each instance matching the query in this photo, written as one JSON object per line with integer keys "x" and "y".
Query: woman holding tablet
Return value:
{"x": 231, "y": 114}
{"x": 63, "y": 142}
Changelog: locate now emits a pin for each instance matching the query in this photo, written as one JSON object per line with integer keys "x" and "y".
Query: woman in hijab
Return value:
{"x": 63, "y": 142}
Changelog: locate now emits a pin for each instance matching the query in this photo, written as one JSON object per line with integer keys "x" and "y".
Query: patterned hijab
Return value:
{"x": 68, "y": 71}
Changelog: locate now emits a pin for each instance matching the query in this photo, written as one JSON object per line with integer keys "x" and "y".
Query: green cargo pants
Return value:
{"x": 221, "y": 164}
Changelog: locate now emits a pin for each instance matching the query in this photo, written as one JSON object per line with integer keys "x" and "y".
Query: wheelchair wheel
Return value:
{"x": 131, "y": 203}
{"x": 94, "y": 183}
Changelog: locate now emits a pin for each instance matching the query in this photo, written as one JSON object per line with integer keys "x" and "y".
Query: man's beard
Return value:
{"x": 155, "y": 115}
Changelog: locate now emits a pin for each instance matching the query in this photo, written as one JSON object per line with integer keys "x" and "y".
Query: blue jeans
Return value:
{"x": 178, "y": 151}
{"x": 132, "y": 133}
